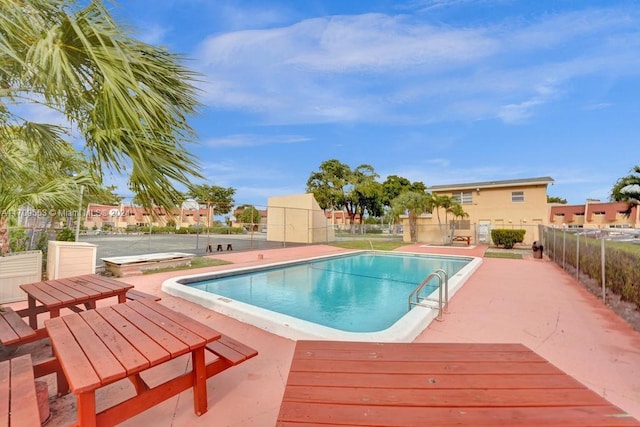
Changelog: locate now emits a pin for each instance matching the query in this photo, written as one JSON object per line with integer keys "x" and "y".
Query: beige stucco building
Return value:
{"x": 517, "y": 203}
{"x": 297, "y": 219}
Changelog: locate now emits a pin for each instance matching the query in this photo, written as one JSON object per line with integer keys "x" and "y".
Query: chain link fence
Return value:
{"x": 609, "y": 255}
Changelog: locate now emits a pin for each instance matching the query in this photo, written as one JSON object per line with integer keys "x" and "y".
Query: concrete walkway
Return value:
{"x": 527, "y": 301}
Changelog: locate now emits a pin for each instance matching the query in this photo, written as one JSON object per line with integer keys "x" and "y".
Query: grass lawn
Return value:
{"x": 196, "y": 262}
{"x": 510, "y": 255}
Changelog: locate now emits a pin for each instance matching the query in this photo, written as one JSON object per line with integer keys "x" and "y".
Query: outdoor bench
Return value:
{"x": 228, "y": 352}
{"x": 134, "y": 295}
{"x": 14, "y": 330}
{"x": 18, "y": 397}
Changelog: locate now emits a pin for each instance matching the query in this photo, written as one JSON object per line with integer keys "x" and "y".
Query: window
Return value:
{"x": 464, "y": 224}
{"x": 463, "y": 197}
{"x": 517, "y": 196}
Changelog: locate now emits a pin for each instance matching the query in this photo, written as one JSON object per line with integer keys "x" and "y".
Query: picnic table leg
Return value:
{"x": 33, "y": 315}
{"x": 199, "y": 381}
{"x": 87, "y": 409}
{"x": 122, "y": 298}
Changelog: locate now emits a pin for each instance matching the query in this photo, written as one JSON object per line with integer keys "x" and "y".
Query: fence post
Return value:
{"x": 602, "y": 258}
{"x": 564, "y": 248}
{"x": 578, "y": 256}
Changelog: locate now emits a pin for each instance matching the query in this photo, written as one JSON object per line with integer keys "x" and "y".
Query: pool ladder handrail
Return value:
{"x": 443, "y": 303}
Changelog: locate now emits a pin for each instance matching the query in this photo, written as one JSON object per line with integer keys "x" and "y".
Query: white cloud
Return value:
{"x": 382, "y": 68}
{"x": 254, "y": 140}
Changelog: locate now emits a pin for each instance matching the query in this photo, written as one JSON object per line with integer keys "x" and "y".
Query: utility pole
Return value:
{"x": 79, "y": 215}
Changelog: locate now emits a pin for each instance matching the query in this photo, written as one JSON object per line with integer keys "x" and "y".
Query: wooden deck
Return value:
{"x": 419, "y": 384}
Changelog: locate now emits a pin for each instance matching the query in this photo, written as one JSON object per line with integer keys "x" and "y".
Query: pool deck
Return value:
{"x": 529, "y": 301}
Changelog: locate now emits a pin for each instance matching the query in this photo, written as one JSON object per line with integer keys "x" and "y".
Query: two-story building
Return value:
{"x": 516, "y": 203}
{"x": 595, "y": 214}
{"x": 121, "y": 217}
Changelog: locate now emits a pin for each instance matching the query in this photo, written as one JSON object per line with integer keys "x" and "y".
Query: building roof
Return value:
{"x": 494, "y": 184}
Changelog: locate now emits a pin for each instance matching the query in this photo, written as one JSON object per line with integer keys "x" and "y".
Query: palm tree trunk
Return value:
{"x": 4, "y": 235}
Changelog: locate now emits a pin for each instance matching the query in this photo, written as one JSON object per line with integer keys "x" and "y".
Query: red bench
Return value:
{"x": 18, "y": 397}
{"x": 462, "y": 239}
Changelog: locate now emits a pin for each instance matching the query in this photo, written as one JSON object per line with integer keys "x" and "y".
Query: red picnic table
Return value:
{"x": 98, "y": 347}
{"x": 53, "y": 295}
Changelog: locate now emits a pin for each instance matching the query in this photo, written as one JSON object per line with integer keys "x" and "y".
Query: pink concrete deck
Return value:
{"x": 528, "y": 301}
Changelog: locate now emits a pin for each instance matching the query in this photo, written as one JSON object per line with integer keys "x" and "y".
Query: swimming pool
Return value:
{"x": 355, "y": 296}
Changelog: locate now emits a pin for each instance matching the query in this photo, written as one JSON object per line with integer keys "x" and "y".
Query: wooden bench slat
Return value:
{"x": 234, "y": 352}
{"x": 13, "y": 329}
{"x": 24, "y": 402}
{"x": 135, "y": 295}
{"x": 5, "y": 378}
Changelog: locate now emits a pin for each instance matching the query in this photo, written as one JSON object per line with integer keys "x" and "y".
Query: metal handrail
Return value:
{"x": 446, "y": 287}
{"x": 439, "y": 273}
{"x": 416, "y": 292}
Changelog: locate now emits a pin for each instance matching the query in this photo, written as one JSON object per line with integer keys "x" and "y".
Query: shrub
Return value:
{"x": 507, "y": 237}
{"x": 66, "y": 235}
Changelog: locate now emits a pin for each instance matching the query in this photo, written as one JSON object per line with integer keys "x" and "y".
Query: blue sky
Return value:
{"x": 438, "y": 91}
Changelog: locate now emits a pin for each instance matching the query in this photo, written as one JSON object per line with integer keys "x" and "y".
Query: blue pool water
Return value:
{"x": 358, "y": 293}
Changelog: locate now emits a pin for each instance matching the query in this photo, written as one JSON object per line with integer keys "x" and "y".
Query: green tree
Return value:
{"x": 363, "y": 193}
{"x": 46, "y": 178}
{"x": 627, "y": 189}
{"x": 336, "y": 187}
{"x": 328, "y": 184}
{"x": 102, "y": 195}
{"x": 437, "y": 202}
{"x": 250, "y": 216}
{"x": 414, "y": 204}
{"x": 214, "y": 196}
{"x": 554, "y": 199}
{"x": 128, "y": 100}
{"x": 392, "y": 187}
{"x": 458, "y": 213}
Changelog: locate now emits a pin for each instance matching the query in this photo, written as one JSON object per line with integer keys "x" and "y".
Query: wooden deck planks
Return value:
{"x": 392, "y": 384}
{"x": 299, "y": 414}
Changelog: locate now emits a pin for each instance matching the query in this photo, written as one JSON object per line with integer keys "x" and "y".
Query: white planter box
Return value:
{"x": 17, "y": 269}
{"x": 69, "y": 259}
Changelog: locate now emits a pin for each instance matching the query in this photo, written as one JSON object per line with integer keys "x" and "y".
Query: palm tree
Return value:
{"x": 627, "y": 189}
{"x": 415, "y": 204}
{"x": 458, "y": 212}
{"x": 128, "y": 100}
{"x": 46, "y": 178}
{"x": 435, "y": 203}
